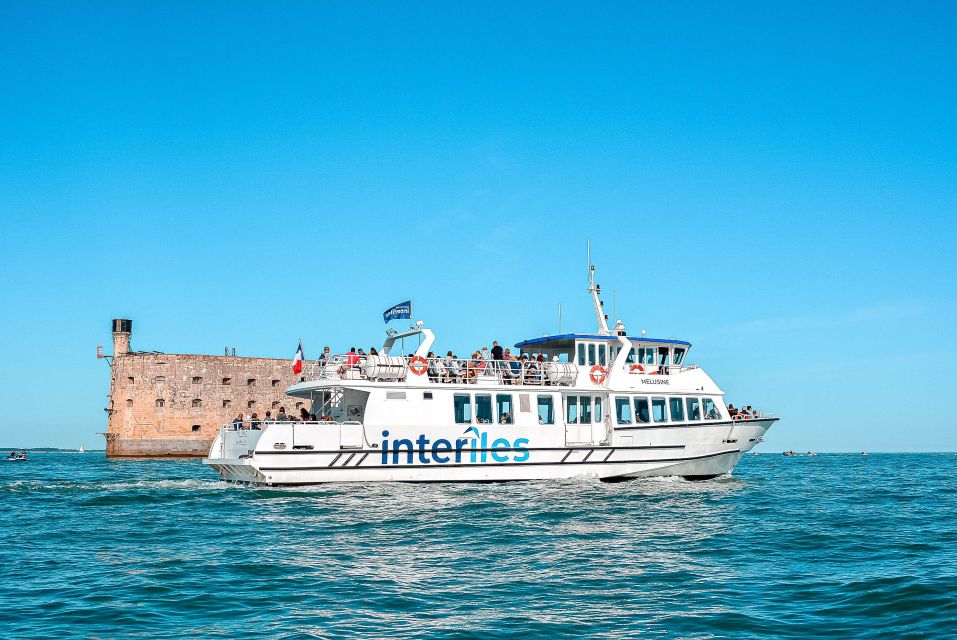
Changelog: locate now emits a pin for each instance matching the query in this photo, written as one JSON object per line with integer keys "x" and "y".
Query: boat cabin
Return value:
{"x": 586, "y": 350}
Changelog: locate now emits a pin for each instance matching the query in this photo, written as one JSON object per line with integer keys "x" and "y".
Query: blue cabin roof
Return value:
{"x": 585, "y": 336}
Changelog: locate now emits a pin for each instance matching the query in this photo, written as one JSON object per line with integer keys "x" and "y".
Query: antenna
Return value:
{"x": 559, "y": 318}
{"x": 595, "y": 291}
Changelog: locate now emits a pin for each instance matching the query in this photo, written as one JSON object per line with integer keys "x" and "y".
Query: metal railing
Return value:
{"x": 442, "y": 370}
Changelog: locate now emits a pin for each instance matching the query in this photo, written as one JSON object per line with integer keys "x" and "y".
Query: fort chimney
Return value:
{"x": 122, "y": 330}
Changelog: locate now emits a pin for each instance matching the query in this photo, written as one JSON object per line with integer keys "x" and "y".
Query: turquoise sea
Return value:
{"x": 838, "y": 546}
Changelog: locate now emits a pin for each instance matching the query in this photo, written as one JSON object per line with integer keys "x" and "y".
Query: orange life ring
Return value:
{"x": 597, "y": 374}
{"x": 636, "y": 368}
{"x": 418, "y": 365}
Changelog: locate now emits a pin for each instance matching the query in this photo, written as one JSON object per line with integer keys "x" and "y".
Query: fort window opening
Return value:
{"x": 197, "y": 403}
{"x": 160, "y": 403}
{"x": 227, "y": 381}
{"x": 197, "y": 380}
{"x": 298, "y": 405}
{"x": 227, "y": 403}
{"x": 129, "y": 402}
{"x": 275, "y": 404}
{"x": 250, "y": 404}
{"x": 130, "y": 379}
{"x": 275, "y": 383}
{"x": 159, "y": 379}
{"x": 196, "y": 427}
{"x": 251, "y": 382}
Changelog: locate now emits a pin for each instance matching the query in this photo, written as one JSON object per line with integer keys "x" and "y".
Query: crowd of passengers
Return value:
{"x": 744, "y": 413}
{"x": 514, "y": 369}
{"x": 255, "y": 422}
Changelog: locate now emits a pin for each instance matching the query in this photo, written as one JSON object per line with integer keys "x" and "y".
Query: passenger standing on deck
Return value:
{"x": 486, "y": 355}
{"x": 255, "y": 422}
{"x": 304, "y": 415}
{"x": 325, "y": 355}
{"x": 238, "y": 421}
{"x": 281, "y": 416}
{"x": 497, "y": 351}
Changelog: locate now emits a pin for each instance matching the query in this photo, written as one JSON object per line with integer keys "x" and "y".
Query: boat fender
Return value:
{"x": 418, "y": 365}
{"x": 597, "y": 374}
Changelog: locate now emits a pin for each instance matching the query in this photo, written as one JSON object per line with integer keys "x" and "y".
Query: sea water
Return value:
{"x": 839, "y": 546}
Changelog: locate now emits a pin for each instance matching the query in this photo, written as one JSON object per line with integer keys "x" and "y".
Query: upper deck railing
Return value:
{"x": 442, "y": 370}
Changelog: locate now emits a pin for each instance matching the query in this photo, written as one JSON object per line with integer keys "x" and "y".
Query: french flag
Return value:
{"x": 297, "y": 361}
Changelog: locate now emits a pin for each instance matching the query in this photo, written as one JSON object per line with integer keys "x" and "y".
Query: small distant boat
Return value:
{"x": 810, "y": 453}
{"x": 790, "y": 454}
{"x": 17, "y": 456}
{"x": 863, "y": 453}
{"x": 754, "y": 453}
{"x": 81, "y": 449}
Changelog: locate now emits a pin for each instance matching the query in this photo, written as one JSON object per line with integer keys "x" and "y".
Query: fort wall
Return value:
{"x": 164, "y": 404}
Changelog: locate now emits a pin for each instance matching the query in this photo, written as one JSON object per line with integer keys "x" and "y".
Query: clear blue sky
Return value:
{"x": 775, "y": 182}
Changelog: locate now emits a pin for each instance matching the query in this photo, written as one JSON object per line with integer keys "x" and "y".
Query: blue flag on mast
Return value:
{"x": 398, "y": 312}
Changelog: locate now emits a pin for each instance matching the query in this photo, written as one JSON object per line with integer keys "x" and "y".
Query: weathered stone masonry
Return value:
{"x": 164, "y": 404}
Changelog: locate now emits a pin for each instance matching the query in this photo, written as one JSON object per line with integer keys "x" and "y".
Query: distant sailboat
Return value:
{"x": 81, "y": 449}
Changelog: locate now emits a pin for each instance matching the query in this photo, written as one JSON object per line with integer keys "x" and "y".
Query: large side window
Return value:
{"x": 601, "y": 355}
{"x": 571, "y": 414}
{"x": 694, "y": 408}
{"x": 711, "y": 411}
{"x": 584, "y": 403}
{"x": 546, "y": 411}
{"x": 483, "y": 408}
{"x": 463, "y": 408}
{"x": 663, "y": 355}
{"x": 581, "y": 354}
{"x": 623, "y": 410}
{"x": 658, "y": 410}
{"x": 591, "y": 354}
{"x": 504, "y": 408}
{"x": 642, "y": 413}
{"x": 677, "y": 409}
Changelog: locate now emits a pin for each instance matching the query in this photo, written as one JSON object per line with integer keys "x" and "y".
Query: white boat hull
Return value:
{"x": 697, "y": 452}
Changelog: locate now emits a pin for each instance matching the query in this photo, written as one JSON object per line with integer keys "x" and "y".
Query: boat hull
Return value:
{"x": 697, "y": 457}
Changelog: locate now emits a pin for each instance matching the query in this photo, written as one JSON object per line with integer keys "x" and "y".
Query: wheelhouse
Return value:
{"x": 586, "y": 350}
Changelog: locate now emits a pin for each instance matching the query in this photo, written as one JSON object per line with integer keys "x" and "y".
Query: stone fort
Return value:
{"x": 165, "y": 404}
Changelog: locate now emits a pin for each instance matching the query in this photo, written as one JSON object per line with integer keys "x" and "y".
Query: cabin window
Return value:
{"x": 581, "y": 355}
{"x": 591, "y": 354}
{"x": 642, "y": 414}
{"x": 483, "y": 409}
{"x": 160, "y": 403}
{"x": 504, "y": 408}
{"x": 658, "y": 410}
{"x": 546, "y": 410}
{"x": 694, "y": 408}
{"x": 197, "y": 403}
{"x": 601, "y": 355}
{"x": 197, "y": 379}
{"x": 630, "y": 358}
{"x": 677, "y": 409}
{"x": 571, "y": 411}
{"x": 462, "y": 407}
{"x": 711, "y": 411}
{"x": 663, "y": 356}
{"x": 623, "y": 410}
{"x": 426, "y": 395}
{"x": 598, "y": 410}
{"x": 679, "y": 355}
{"x": 585, "y": 406}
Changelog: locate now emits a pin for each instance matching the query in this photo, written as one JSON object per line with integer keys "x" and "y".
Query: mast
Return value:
{"x": 595, "y": 291}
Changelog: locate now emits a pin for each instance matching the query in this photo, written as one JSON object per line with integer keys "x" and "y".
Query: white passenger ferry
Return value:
{"x": 604, "y": 404}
